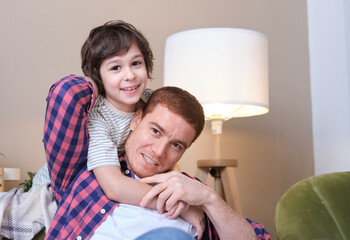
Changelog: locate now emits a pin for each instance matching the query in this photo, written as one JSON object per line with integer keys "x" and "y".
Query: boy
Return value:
{"x": 118, "y": 59}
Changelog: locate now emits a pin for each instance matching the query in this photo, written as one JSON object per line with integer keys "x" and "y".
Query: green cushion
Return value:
{"x": 315, "y": 208}
{"x": 39, "y": 236}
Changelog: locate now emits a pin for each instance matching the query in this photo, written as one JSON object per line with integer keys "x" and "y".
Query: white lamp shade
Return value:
{"x": 226, "y": 69}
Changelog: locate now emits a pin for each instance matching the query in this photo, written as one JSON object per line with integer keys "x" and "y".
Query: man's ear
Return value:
{"x": 136, "y": 119}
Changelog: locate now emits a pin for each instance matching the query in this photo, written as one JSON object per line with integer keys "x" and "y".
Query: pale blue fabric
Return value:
{"x": 165, "y": 234}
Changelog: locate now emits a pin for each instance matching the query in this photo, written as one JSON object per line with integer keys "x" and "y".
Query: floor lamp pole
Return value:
{"x": 222, "y": 170}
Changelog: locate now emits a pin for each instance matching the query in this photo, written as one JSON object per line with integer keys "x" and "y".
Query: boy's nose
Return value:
{"x": 129, "y": 74}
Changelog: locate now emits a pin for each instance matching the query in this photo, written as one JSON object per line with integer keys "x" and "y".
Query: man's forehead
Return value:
{"x": 165, "y": 118}
{"x": 162, "y": 110}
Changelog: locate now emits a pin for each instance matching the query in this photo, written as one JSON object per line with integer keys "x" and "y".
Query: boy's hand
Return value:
{"x": 179, "y": 208}
{"x": 173, "y": 187}
{"x": 195, "y": 216}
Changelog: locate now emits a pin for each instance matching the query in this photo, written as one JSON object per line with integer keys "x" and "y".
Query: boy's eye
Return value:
{"x": 115, "y": 68}
{"x": 136, "y": 63}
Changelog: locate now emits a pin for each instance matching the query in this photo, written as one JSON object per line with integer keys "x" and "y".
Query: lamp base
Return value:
{"x": 225, "y": 181}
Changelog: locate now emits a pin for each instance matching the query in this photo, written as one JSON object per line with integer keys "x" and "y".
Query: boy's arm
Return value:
{"x": 120, "y": 188}
{"x": 123, "y": 189}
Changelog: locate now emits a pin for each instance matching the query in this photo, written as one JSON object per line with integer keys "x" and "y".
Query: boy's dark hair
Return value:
{"x": 180, "y": 102}
{"x": 111, "y": 39}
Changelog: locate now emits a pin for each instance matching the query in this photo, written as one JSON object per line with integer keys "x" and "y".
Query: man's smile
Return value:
{"x": 148, "y": 160}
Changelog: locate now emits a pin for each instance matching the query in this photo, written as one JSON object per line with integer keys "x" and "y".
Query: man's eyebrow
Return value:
{"x": 160, "y": 128}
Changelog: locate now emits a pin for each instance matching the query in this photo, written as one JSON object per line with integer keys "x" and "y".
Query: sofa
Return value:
{"x": 317, "y": 207}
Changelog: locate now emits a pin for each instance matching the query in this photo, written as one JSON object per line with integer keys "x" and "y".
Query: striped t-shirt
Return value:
{"x": 108, "y": 129}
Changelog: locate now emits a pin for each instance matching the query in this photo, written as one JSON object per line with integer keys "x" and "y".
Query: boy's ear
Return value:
{"x": 136, "y": 119}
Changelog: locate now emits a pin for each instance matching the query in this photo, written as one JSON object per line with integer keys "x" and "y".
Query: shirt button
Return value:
{"x": 103, "y": 211}
{"x": 127, "y": 171}
{"x": 79, "y": 238}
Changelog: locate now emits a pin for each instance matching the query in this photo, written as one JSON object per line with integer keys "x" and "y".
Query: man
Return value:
{"x": 160, "y": 134}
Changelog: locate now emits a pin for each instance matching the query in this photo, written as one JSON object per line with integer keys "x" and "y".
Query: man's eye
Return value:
{"x": 155, "y": 131}
{"x": 115, "y": 68}
{"x": 176, "y": 145}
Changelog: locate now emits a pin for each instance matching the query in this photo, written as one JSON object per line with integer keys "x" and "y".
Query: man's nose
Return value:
{"x": 159, "y": 147}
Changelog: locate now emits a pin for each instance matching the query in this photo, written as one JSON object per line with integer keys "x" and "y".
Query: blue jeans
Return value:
{"x": 165, "y": 233}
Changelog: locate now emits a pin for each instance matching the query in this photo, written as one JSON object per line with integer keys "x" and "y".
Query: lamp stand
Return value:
{"x": 223, "y": 172}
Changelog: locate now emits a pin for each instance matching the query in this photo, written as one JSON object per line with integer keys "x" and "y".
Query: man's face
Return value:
{"x": 157, "y": 141}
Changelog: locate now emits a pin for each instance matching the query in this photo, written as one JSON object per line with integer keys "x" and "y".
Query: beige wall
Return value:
{"x": 41, "y": 40}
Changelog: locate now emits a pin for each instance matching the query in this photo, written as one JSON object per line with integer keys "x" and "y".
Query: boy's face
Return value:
{"x": 124, "y": 78}
{"x": 157, "y": 141}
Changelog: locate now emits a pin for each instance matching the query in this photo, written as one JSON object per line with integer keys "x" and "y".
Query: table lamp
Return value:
{"x": 226, "y": 69}
{"x": 8, "y": 174}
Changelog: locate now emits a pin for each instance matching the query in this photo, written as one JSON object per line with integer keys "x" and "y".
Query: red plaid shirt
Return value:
{"x": 82, "y": 205}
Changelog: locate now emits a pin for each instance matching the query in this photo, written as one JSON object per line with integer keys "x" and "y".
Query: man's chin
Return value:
{"x": 141, "y": 173}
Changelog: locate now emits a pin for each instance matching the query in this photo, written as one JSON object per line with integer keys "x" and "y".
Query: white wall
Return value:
{"x": 347, "y": 40}
{"x": 329, "y": 37}
{"x": 41, "y": 40}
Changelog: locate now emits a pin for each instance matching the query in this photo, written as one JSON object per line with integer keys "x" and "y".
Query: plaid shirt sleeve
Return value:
{"x": 81, "y": 203}
{"x": 65, "y": 135}
{"x": 260, "y": 230}
{"x": 210, "y": 231}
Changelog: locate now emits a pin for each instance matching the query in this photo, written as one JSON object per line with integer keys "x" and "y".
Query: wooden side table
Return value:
{"x": 225, "y": 181}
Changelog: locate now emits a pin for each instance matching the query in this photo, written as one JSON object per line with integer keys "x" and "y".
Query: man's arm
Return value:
{"x": 227, "y": 222}
{"x": 175, "y": 187}
{"x": 65, "y": 133}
